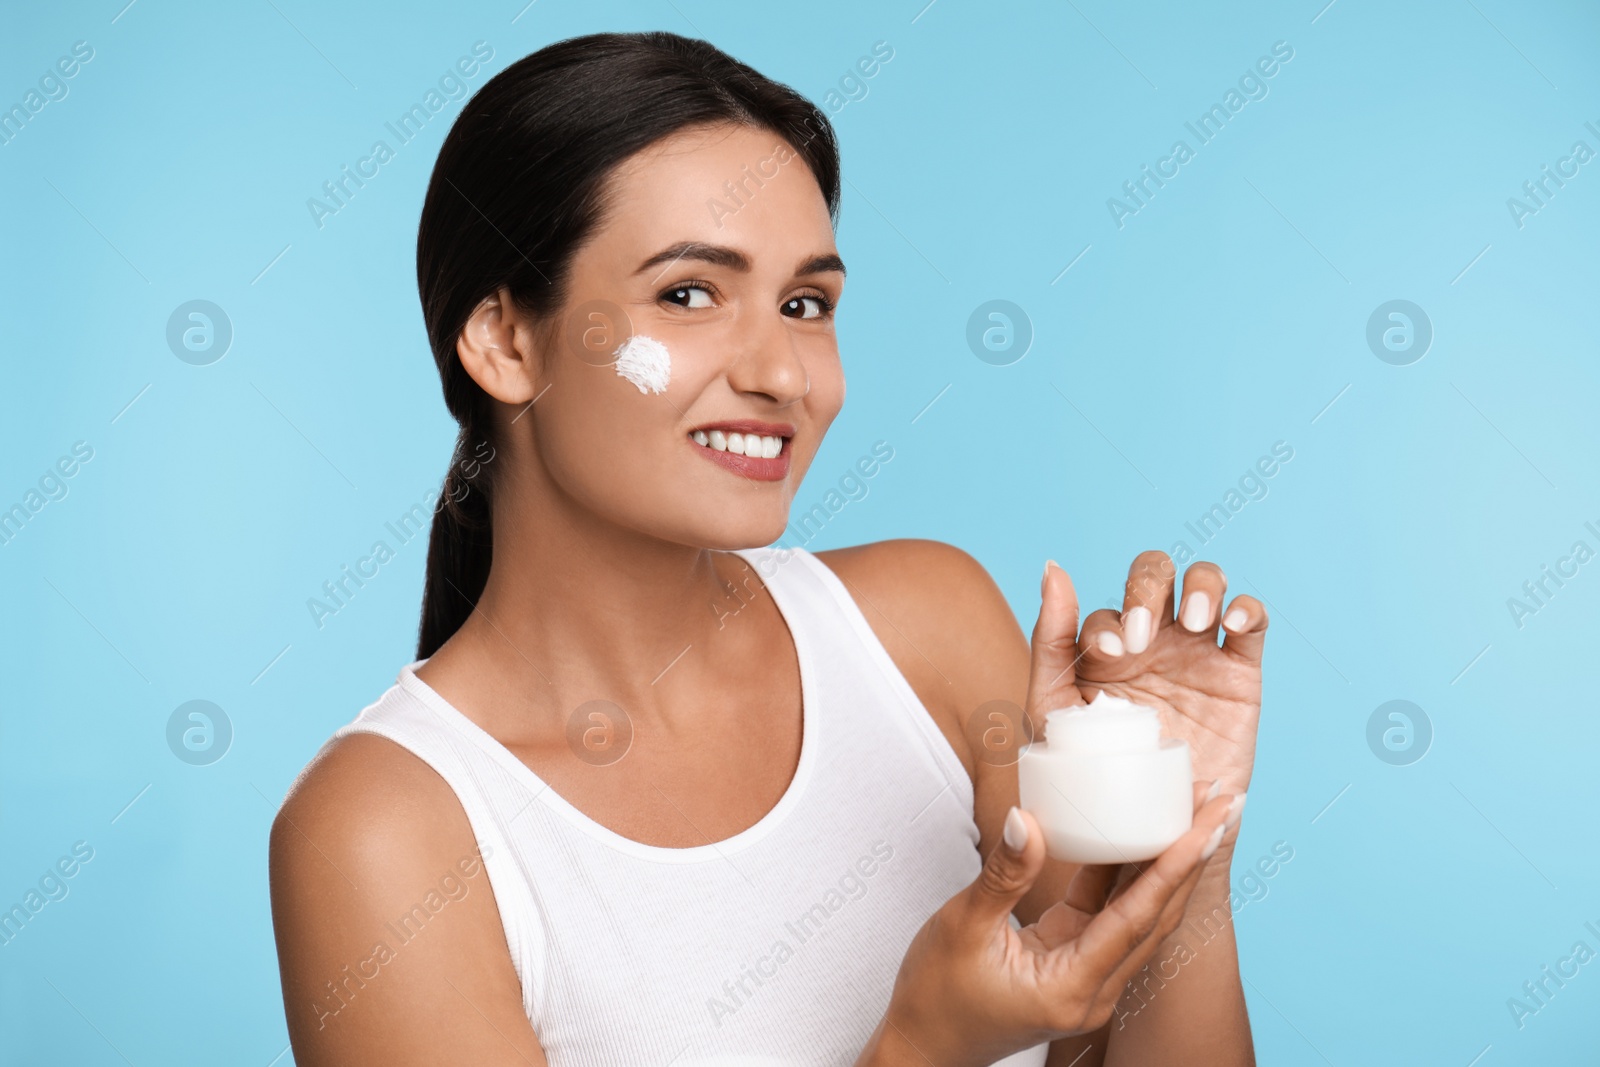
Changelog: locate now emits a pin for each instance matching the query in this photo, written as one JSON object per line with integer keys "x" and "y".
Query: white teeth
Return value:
{"x": 740, "y": 444}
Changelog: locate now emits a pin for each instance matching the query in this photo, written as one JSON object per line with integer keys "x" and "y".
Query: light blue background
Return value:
{"x": 1225, "y": 316}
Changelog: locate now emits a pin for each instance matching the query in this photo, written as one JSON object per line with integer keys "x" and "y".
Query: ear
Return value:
{"x": 496, "y": 347}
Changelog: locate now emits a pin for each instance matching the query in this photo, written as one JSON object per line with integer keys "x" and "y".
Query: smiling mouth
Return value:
{"x": 757, "y": 451}
{"x": 755, "y": 446}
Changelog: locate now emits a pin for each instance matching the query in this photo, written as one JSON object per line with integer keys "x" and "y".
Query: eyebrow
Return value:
{"x": 733, "y": 259}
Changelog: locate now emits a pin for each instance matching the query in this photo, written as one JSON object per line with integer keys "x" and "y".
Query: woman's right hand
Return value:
{"x": 973, "y": 989}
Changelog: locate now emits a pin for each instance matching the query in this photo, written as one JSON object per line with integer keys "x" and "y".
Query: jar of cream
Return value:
{"x": 1104, "y": 786}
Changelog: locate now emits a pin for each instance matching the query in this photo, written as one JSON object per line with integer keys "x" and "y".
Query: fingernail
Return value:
{"x": 1016, "y": 831}
{"x": 1212, "y": 842}
{"x": 1215, "y": 790}
{"x": 1137, "y": 625}
{"x": 1197, "y": 612}
{"x": 1046, "y": 579}
{"x": 1235, "y": 620}
{"x": 1234, "y": 808}
{"x": 1109, "y": 643}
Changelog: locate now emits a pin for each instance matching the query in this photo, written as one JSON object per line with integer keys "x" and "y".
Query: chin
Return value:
{"x": 753, "y": 528}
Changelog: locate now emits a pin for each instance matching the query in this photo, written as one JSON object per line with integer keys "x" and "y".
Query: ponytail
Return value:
{"x": 460, "y": 549}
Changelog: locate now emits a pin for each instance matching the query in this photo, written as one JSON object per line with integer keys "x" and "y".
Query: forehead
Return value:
{"x": 724, "y": 184}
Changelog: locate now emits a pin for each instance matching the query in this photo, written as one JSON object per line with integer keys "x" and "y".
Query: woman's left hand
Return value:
{"x": 1207, "y": 694}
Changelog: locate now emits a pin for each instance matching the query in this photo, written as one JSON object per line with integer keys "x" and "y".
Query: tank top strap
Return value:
{"x": 841, "y": 636}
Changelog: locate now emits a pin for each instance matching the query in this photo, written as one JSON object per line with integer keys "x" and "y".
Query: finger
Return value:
{"x": 1204, "y": 589}
{"x": 1052, "y": 680}
{"x": 1130, "y": 916}
{"x": 1086, "y": 894}
{"x": 1091, "y": 886}
{"x": 1147, "y": 599}
{"x": 1207, "y": 806}
{"x": 1244, "y": 628}
{"x": 1008, "y": 873}
{"x": 1101, "y": 639}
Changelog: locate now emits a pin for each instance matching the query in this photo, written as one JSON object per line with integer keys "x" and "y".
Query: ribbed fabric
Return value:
{"x": 778, "y": 945}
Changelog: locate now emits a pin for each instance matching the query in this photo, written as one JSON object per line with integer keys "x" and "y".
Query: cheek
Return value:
{"x": 822, "y": 405}
{"x": 692, "y": 358}
{"x": 586, "y": 421}
{"x": 598, "y": 449}
{"x": 827, "y": 389}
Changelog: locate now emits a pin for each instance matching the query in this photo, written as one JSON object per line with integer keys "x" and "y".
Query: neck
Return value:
{"x": 577, "y": 607}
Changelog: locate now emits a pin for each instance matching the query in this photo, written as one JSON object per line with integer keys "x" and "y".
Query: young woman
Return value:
{"x": 652, "y": 793}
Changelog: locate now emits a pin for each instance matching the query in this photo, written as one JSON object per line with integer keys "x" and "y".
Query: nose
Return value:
{"x": 769, "y": 364}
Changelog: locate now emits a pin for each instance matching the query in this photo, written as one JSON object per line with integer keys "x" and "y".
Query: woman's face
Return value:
{"x": 718, "y": 245}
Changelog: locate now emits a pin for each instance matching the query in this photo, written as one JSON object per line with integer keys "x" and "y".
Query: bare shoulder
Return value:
{"x": 944, "y": 622}
{"x": 902, "y": 557}
{"x": 372, "y": 800}
{"x": 380, "y": 905}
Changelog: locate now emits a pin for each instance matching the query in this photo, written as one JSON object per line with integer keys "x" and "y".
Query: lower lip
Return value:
{"x": 756, "y": 468}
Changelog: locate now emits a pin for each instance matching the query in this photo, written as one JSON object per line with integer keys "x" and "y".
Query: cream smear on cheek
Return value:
{"x": 645, "y": 362}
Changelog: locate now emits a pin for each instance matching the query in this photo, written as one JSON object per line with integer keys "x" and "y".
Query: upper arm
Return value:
{"x": 390, "y": 946}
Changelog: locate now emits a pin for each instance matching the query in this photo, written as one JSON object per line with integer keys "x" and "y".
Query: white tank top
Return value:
{"x": 776, "y": 946}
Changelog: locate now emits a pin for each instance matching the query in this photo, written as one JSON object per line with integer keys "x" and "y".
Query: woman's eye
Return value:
{"x": 809, "y": 307}
{"x": 690, "y": 296}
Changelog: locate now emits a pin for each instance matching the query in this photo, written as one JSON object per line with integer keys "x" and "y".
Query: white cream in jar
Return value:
{"x": 1104, "y": 785}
